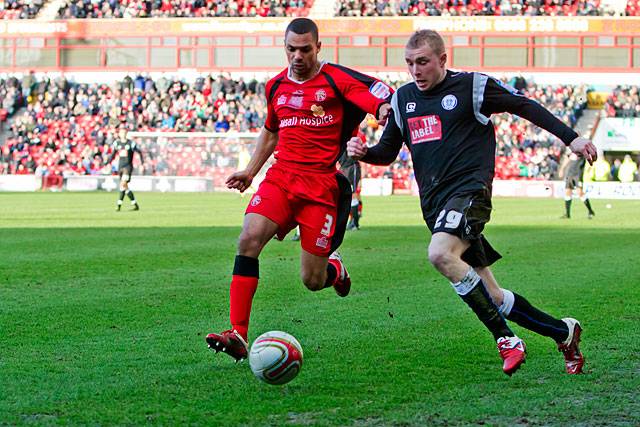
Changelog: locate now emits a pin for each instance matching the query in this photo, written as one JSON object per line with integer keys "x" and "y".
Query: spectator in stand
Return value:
{"x": 628, "y": 171}
{"x": 615, "y": 167}
{"x": 602, "y": 169}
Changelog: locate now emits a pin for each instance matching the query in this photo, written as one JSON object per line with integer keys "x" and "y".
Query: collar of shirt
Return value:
{"x": 290, "y": 75}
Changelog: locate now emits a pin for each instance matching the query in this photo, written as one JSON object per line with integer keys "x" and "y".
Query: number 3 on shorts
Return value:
{"x": 453, "y": 219}
{"x": 326, "y": 229}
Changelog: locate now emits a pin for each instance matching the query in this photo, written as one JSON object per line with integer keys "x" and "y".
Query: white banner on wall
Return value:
{"x": 370, "y": 186}
{"x": 377, "y": 187}
{"x": 139, "y": 183}
{"x": 20, "y": 182}
{"x": 618, "y": 134}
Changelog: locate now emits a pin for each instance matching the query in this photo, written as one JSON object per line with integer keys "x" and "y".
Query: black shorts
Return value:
{"x": 464, "y": 216}
{"x": 125, "y": 173}
{"x": 572, "y": 182}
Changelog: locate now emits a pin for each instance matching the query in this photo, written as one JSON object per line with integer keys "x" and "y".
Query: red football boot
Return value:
{"x": 573, "y": 358}
{"x": 230, "y": 342}
{"x": 513, "y": 352}
{"x": 342, "y": 286}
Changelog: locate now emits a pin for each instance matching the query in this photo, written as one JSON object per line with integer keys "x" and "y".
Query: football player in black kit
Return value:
{"x": 443, "y": 118}
{"x": 572, "y": 169}
{"x": 125, "y": 148}
{"x": 351, "y": 169}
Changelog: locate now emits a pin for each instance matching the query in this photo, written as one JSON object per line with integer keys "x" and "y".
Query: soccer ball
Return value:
{"x": 275, "y": 357}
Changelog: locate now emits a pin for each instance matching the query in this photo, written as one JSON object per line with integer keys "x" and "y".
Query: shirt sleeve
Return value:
{"x": 114, "y": 151}
{"x": 366, "y": 92}
{"x": 271, "y": 122}
{"x": 491, "y": 96}
{"x": 387, "y": 149}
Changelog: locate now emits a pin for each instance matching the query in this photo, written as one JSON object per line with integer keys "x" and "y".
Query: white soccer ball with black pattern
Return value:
{"x": 275, "y": 357}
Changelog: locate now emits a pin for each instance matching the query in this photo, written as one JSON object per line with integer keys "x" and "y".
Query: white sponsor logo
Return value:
{"x": 306, "y": 121}
{"x": 322, "y": 242}
{"x": 256, "y": 200}
{"x": 291, "y": 121}
{"x": 449, "y": 102}
{"x": 425, "y": 129}
{"x": 282, "y": 99}
{"x": 316, "y": 121}
{"x": 296, "y": 101}
{"x": 321, "y": 95}
{"x": 411, "y": 107}
{"x": 380, "y": 90}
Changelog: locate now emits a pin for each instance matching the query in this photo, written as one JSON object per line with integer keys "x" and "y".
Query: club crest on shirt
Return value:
{"x": 449, "y": 102}
{"x": 282, "y": 99}
{"x": 317, "y": 110}
{"x": 321, "y": 95}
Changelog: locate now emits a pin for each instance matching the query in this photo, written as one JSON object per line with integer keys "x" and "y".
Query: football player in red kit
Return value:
{"x": 313, "y": 108}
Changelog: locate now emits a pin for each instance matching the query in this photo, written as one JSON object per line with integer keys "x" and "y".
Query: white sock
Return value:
{"x": 507, "y": 302}
{"x": 468, "y": 282}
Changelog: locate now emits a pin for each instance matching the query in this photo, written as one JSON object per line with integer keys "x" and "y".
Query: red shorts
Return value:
{"x": 307, "y": 199}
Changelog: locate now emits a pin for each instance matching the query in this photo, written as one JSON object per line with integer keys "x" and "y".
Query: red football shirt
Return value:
{"x": 315, "y": 118}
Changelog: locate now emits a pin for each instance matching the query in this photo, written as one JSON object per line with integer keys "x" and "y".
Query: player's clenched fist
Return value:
{"x": 585, "y": 148}
{"x": 240, "y": 180}
{"x": 356, "y": 149}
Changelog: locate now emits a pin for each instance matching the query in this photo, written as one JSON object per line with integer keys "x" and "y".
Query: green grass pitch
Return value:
{"x": 103, "y": 317}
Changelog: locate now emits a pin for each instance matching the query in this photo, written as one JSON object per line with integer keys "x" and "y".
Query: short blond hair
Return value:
{"x": 430, "y": 37}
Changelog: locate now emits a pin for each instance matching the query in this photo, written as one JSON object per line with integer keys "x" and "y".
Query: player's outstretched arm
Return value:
{"x": 266, "y": 144}
{"x": 385, "y": 151}
{"x": 584, "y": 148}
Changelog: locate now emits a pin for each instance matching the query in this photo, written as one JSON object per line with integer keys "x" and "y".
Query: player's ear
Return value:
{"x": 319, "y": 45}
{"x": 443, "y": 59}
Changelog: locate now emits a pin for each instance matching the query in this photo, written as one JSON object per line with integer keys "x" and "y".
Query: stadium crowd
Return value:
{"x": 477, "y": 7}
{"x": 68, "y": 128}
{"x": 624, "y": 102}
{"x": 63, "y": 128}
{"x": 20, "y": 9}
{"x": 105, "y": 9}
{"x": 182, "y": 8}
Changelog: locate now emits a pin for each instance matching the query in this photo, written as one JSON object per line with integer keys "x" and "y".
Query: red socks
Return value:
{"x": 240, "y": 298}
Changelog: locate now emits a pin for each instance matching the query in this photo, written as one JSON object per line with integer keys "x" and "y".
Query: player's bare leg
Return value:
{"x": 491, "y": 284}
{"x": 257, "y": 230}
{"x": 319, "y": 272}
{"x": 445, "y": 251}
